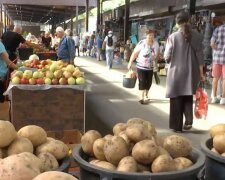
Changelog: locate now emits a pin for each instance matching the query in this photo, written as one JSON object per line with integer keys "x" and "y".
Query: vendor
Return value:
{"x": 12, "y": 40}
{"x": 47, "y": 40}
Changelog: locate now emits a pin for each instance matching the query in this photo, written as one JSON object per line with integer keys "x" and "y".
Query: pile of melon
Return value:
{"x": 217, "y": 132}
{"x": 136, "y": 147}
{"x": 26, "y": 154}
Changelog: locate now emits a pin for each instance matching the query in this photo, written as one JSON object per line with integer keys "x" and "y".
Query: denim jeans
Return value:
{"x": 109, "y": 58}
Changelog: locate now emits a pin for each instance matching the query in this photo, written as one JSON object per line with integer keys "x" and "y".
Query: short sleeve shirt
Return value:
{"x": 218, "y": 38}
{"x": 145, "y": 57}
{"x": 12, "y": 40}
{"x": 3, "y": 66}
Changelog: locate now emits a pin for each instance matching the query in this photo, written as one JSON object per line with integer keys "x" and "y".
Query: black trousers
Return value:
{"x": 179, "y": 106}
{"x": 144, "y": 78}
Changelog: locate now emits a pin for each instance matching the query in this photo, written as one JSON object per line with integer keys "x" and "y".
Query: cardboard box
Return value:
{"x": 54, "y": 109}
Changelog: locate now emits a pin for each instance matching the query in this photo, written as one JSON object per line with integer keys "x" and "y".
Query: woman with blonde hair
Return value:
{"x": 145, "y": 53}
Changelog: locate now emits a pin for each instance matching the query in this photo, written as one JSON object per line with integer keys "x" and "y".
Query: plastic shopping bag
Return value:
{"x": 201, "y": 102}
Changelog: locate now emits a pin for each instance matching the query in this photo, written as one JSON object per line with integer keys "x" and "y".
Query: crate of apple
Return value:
{"x": 54, "y": 73}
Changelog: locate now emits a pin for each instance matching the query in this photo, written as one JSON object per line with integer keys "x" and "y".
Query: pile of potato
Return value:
{"x": 29, "y": 152}
{"x": 136, "y": 147}
{"x": 217, "y": 132}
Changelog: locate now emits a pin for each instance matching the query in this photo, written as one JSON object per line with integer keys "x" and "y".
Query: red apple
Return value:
{"x": 40, "y": 81}
{"x": 55, "y": 81}
{"x": 24, "y": 81}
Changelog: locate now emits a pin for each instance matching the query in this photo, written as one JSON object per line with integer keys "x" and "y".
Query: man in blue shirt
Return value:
{"x": 66, "y": 50}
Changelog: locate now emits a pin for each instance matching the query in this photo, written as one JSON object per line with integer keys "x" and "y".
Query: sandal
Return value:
{"x": 141, "y": 101}
{"x": 187, "y": 127}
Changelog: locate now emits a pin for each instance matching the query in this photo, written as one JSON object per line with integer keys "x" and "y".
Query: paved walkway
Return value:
{"x": 108, "y": 102}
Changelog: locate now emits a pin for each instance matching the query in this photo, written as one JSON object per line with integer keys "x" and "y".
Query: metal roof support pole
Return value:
{"x": 64, "y": 21}
{"x": 98, "y": 15}
{"x": 71, "y": 19}
{"x": 87, "y": 15}
{"x": 5, "y": 19}
{"x": 1, "y": 29}
{"x": 77, "y": 14}
{"x": 126, "y": 20}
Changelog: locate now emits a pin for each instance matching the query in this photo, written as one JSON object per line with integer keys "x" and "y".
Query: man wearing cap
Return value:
{"x": 108, "y": 45}
{"x": 66, "y": 50}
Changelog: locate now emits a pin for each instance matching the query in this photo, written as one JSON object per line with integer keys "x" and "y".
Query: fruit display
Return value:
{"x": 29, "y": 152}
{"x": 135, "y": 146}
{"x": 217, "y": 133}
{"x": 47, "y": 72}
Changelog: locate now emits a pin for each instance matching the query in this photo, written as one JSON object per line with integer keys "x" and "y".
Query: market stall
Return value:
{"x": 47, "y": 55}
{"x": 53, "y": 107}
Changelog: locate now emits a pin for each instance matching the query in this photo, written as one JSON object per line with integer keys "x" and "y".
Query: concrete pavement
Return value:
{"x": 108, "y": 102}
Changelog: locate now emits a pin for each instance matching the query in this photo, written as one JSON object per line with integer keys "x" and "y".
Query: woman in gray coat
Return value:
{"x": 184, "y": 51}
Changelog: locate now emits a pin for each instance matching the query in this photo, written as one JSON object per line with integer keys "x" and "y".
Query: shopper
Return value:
{"x": 99, "y": 42}
{"x": 109, "y": 45}
{"x": 218, "y": 63}
{"x": 66, "y": 49}
{"x": 12, "y": 40}
{"x": 145, "y": 52}
{"x": 5, "y": 63}
{"x": 77, "y": 44}
{"x": 184, "y": 51}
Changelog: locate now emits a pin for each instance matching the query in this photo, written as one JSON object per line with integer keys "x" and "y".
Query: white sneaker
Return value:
{"x": 222, "y": 101}
{"x": 214, "y": 100}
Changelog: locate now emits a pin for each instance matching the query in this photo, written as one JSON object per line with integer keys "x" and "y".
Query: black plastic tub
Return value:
{"x": 64, "y": 164}
{"x": 129, "y": 82}
{"x": 214, "y": 163}
{"x": 91, "y": 172}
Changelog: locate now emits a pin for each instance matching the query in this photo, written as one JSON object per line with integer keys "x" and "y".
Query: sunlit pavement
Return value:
{"x": 112, "y": 103}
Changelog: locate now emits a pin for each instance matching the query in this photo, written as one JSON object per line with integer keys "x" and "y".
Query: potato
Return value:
{"x": 48, "y": 162}
{"x": 214, "y": 150}
{"x": 127, "y": 164}
{"x": 162, "y": 151}
{"x": 87, "y": 141}
{"x": 115, "y": 149}
{"x": 182, "y": 163}
{"x": 177, "y": 146}
{"x": 135, "y": 121}
{"x": 34, "y": 160}
{"x": 19, "y": 145}
{"x": 17, "y": 168}
{"x": 57, "y": 148}
{"x": 98, "y": 147}
{"x": 108, "y": 136}
{"x": 104, "y": 164}
{"x": 163, "y": 163}
{"x": 35, "y": 134}
{"x": 145, "y": 151}
{"x": 94, "y": 161}
{"x": 150, "y": 127}
{"x": 7, "y": 133}
{"x": 119, "y": 127}
{"x": 128, "y": 141}
{"x": 54, "y": 175}
{"x": 158, "y": 140}
{"x": 143, "y": 168}
{"x": 137, "y": 132}
{"x": 216, "y": 130}
{"x": 218, "y": 143}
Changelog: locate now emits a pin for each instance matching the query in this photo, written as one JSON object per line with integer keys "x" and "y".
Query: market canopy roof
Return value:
{"x": 45, "y": 11}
